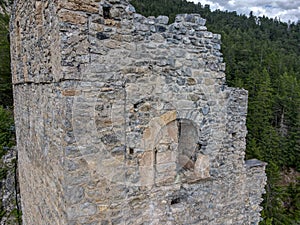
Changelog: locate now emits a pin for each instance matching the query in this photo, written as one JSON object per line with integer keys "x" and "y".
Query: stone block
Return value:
{"x": 71, "y": 92}
{"x": 202, "y": 167}
{"x": 90, "y": 6}
{"x": 72, "y": 17}
{"x": 166, "y": 157}
{"x": 147, "y": 159}
{"x": 162, "y": 20}
{"x": 147, "y": 176}
{"x": 168, "y": 117}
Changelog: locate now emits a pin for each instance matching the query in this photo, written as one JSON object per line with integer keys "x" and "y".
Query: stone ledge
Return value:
{"x": 254, "y": 163}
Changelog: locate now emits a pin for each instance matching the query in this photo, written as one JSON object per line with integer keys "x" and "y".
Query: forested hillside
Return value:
{"x": 262, "y": 55}
{"x": 5, "y": 78}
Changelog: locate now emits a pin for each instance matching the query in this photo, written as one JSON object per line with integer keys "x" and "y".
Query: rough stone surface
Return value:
{"x": 123, "y": 119}
{"x": 5, "y": 7}
{"x": 9, "y": 195}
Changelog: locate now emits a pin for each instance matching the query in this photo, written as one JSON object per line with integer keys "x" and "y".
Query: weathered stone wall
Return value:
{"x": 123, "y": 119}
{"x": 40, "y": 110}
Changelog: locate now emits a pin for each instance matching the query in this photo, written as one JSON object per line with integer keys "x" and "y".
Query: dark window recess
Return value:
{"x": 131, "y": 151}
{"x": 102, "y": 36}
{"x": 106, "y": 12}
{"x": 155, "y": 156}
{"x": 199, "y": 146}
{"x": 160, "y": 29}
{"x": 176, "y": 201}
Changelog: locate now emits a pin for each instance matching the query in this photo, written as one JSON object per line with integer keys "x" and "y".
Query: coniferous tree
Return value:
{"x": 5, "y": 75}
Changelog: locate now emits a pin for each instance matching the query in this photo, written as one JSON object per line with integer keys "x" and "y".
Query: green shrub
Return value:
{"x": 6, "y": 130}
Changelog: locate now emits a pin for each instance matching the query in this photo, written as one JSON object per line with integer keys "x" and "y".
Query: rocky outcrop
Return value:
{"x": 10, "y": 197}
{"x": 5, "y": 7}
{"x": 123, "y": 119}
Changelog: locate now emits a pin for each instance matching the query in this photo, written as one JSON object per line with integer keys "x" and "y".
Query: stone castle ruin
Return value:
{"x": 123, "y": 119}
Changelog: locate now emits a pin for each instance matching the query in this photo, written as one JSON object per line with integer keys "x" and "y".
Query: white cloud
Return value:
{"x": 284, "y": 10}
{"x": 213, "y": 5}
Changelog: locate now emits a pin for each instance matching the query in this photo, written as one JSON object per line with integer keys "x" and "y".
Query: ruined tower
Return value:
{"x": 123, "y": 119}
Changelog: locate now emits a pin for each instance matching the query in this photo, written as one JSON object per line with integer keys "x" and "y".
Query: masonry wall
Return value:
{"x": 123, "y": 119}
{"x": 39, "y": 111}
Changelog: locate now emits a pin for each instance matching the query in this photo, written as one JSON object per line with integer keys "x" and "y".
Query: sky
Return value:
{"x": 285, "y": 10}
